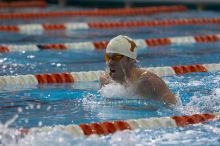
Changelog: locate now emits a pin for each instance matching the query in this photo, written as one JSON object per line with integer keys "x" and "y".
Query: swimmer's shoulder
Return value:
{"x": 151, "y": 85}
{"x": 144, "y": 73}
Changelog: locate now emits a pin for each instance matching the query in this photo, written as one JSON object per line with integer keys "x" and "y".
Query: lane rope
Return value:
{"x": 40, "y": 28}
{"x": 141, "y": 43}
{"x": 110, "y": 127}
{"x": 96, "y": 12}
{"x": 23, "y": 4}
{"x": 94, "y": 75}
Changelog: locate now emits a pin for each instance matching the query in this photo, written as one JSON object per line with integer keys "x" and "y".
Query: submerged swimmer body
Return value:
{"x": 121, "y": 54}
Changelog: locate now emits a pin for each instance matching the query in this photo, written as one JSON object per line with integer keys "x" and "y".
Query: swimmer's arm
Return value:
{"x": 154, "y": 87}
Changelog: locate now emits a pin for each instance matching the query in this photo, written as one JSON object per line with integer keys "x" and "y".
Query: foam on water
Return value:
{"x": 209, "y": 103}
{"x": 8, "y": 135}
{"x": 115, "y": 90}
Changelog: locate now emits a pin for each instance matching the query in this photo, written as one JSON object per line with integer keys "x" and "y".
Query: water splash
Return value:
{"x": 202, "y": 104}
{"x": 115, "y": 90}
{"x": 8, "y": 135}
{"x": 12, "y": 120}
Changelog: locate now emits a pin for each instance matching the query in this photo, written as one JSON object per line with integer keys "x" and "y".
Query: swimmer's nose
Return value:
{"x": 110, "y": 61}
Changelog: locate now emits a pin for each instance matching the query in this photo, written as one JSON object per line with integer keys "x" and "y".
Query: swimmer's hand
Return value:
{"x": 104, "y": 79}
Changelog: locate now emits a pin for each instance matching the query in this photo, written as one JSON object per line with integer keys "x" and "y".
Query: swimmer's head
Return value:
{"x": 122, "y": 45}
{"x": 121, "y": 54}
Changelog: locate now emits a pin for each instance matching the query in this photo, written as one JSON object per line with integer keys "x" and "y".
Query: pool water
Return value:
{"x": 84, "y": 102}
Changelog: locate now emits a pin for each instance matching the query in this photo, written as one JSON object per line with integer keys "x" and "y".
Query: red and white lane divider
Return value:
{"x": 96, "y": 12}
{"x": 141, "y": 43}
{"x": 23, "y": 4}
{"x": 110, "y": 127}
{"x": 94, "y": 75}
{"x": 40, "y": 28}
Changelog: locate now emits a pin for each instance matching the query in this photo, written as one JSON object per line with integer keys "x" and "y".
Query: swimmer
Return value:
{"x": 120, "y": 57}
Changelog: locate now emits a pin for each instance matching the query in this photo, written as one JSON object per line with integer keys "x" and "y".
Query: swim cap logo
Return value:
{"x": 133, "y": 45}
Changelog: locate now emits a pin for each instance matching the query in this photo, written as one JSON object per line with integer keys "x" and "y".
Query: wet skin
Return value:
{"x": 144, "y": 83}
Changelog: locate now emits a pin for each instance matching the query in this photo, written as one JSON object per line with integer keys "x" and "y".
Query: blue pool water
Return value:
{"x": 83, "y": 102}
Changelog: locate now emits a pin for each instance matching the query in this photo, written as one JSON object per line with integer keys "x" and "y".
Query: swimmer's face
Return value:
{"x": 117, "y": 66}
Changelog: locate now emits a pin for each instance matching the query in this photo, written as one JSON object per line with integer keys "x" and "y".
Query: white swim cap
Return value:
{"x": 122, "y": 45}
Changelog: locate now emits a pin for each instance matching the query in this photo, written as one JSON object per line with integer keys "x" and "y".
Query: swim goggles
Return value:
{"x": 115, "y": 57}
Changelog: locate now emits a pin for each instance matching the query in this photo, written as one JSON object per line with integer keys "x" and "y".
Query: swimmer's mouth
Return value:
{"x": 112, "y": 70}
